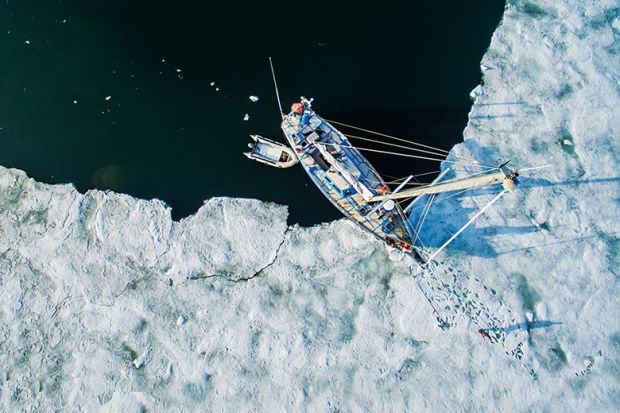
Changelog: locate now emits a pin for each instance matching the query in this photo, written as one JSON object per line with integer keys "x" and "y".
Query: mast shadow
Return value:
{"x": 538, "y": 182}
{"x": 479, "y": 241}
{"x": 501, "y": 116}
{"x": 526, "y": 326}
{"x": 554, "y": 243}
{"x": 507, "y": 230}
{"x": 515, "y": 103}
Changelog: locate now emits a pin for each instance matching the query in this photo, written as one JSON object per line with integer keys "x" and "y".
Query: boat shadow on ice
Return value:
{"x": 475, "y": 241}
{"x": 482, "y": 241}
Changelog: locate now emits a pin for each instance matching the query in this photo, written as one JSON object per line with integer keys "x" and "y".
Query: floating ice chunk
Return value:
{"x": 64, "y": 21}
{"x": 178, "y": 70}
{"x": 108, "y": 98}
{"x": 254, "y": 98}
{"x": 27, "y": 42}
{"x": 212, "y": 84}
{"x": 476, "y": 92}
{"x": 568, "y": 142}
{"x": 484, "y": 67}
{"x": 246, "y": 117}
{"x": 181, "y": 320}
{"x": 75, "y": 102}
{"x": 217, "y": 89}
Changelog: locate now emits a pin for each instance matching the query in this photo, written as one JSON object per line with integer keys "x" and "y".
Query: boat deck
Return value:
{"x": 345, "y": 177}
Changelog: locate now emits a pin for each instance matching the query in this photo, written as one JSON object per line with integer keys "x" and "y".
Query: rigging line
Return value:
{"x": 414, "y": 149}
{"x": 417, "y": 175}
{"x": 408, "y": 183}
{"x": 273, "y": 74}
{"x": 388, "y": 136}
{"x": 536, "y": 167}
{"x": 443, "y": 198}
{"x": 487, "y": 206}
{"x": 401, "y": 154}
{"x": 394, "y": 144}
{"x": 420, "y": 157}
{"x": 458, "y": 178}
{"x": 427, "y": 173}
{"x": 398, "y": 180}
{"x": 427, "y": 209}
{"x": 374, "y": 181}
{"x": 379, "y": 151}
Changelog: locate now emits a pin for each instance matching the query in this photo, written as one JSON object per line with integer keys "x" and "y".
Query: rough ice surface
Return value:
{"x": 109, "y": 305}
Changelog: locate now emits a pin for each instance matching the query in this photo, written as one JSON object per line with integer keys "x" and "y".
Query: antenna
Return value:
{"x": 275, "y": 84}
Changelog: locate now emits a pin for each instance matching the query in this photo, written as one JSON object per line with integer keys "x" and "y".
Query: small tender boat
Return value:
{"x": 271, "y": 153}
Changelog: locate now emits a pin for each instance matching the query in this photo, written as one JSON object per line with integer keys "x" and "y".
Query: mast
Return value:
{"x": 504, "y": 176}
{"x": 275, "y": 84}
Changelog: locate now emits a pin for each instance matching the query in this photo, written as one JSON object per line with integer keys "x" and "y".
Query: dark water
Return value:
{"x": 401, "y": 67}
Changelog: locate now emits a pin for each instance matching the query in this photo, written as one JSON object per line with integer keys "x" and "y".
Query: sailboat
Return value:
{"x": 353, "y": 185}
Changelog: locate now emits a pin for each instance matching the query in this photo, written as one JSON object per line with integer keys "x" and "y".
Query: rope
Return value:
{"x": 414, "y": 149}
{"x": 402, "y": 154}
{"x": 442, "y": 151}
{"x": 415, "y": 176}
{"x": 393, "y": 144}
{"x": 427, "y": 208}
{"x": 443, "y": 198}
{"x": 408, "y": 183}
{"x": 275, "y": 84}
{"x": 418, "y": 157}
{"x": 487, "y": 206}
{"x": 389, "y": 136}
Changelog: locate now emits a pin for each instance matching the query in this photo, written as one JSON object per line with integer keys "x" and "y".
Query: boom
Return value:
{"x": 504, "y": 176}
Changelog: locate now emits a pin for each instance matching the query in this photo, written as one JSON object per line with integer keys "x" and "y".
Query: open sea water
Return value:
{"x": 118, "y": 94}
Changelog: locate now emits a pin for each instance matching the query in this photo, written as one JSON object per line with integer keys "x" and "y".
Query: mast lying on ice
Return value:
{"x": 505, "y": 176}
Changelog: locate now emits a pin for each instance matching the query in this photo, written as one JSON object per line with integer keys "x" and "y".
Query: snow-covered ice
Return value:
{"x": 109, "y": 305}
